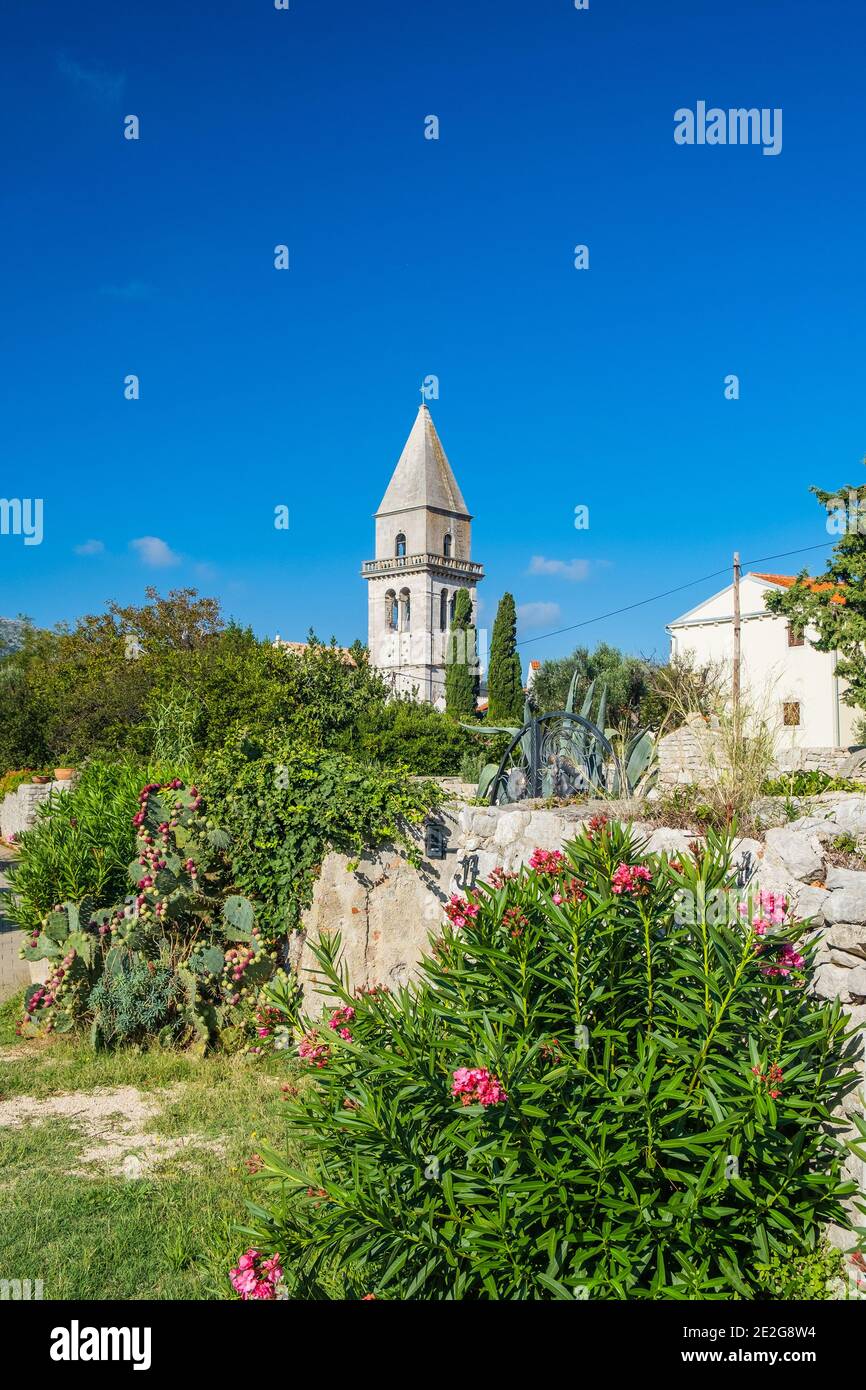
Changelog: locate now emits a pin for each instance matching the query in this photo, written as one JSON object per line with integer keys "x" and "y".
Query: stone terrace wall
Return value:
{"x": 18, "y": 809}
{"x": 693, "y": 752}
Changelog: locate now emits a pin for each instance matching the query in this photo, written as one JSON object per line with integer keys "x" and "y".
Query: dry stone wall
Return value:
{"x": 694, "y": 753}
{"x": 18, "y": 809}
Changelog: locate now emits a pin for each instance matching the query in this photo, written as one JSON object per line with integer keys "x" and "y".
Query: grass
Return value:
{"x": 91, "y": 1234}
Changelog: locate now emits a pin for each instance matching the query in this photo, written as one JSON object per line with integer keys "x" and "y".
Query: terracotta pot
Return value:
{"x": 64, "y": 774}
{"x": 40, "y": 780}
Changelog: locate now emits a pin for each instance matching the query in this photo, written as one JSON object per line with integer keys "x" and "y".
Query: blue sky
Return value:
{"x": 412, "y": 257}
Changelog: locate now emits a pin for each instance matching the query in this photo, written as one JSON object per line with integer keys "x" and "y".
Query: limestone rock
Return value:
{"x": 847, "y": 809}
{"x": 847, "y": 900}
{"x": 798, "y": 851}
{"x": 672, "y": 842}
{"x": 837, "y": 982}
{"x": 809, "y": 904}
{"x": 847, "y": 937}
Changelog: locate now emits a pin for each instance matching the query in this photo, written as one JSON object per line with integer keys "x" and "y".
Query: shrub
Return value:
{"x": 414, "y": 736}
{"x": 136, "y": 1001}
{"x": 287, "y": 805}
{"x": 811, "y": 783}
{"x": 11, "y": 781}
{"x": 79, "y": 846}
{"x": 583, "y": 1095}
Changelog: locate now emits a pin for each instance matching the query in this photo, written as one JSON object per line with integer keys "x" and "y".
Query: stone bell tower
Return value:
{"x": 423, "y": 536}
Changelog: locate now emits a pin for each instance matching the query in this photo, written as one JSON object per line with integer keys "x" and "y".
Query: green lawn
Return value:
{"x": 84, "y": 1226}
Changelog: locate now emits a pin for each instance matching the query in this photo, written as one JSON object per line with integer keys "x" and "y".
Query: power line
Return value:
{"x": 761, "y": 560}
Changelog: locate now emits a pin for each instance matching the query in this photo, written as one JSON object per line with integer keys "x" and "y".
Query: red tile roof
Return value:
{"x": 787, "y": 581}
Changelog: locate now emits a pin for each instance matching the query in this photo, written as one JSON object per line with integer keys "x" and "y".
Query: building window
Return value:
{"x": 443, "y": 610}
{"x": 791, "y": 714}
{"x": 446, "y": 546}
{"x": 406, "y": 610}
{"x": 400, "y": 546}
{"x": 451, "y": 610}
{"x": 392, "y": 610}
{"x": 795, "y": 636}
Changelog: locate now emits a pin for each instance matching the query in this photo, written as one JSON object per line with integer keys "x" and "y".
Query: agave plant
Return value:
{"x": 568, "y": 753}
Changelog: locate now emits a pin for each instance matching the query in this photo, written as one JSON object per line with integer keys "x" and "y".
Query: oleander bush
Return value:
{"x": 80, "y": 843}
{"x": 595, "y": 1089}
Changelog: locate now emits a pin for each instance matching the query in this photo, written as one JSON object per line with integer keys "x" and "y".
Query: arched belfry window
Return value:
{"x": 400, "y": 546}
{"x": 392, "y": 610}
{"x": 443, "y": 610}
{"x": 405, "y": 610}
{"x": 451, "y": 609}
{"x": 446, "y": 545}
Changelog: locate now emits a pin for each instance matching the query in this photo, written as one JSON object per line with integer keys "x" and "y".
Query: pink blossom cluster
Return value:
{"x": 788, "y": 960}
{"x": 630, "y": 878}
{"x": 312, "y": 1050}
{"x": 499, "y": 877}
{"x": 459, "y": 911}
{"x": 477, "y": 1084}
{"x": 339, "y": 1019}
{"x": 547, "y": 861}
{"x": 771, "y": 911}
{"x": 256, "y": 1276}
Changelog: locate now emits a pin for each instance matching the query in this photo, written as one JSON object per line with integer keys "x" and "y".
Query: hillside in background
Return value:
{"x": 11, "y": 634}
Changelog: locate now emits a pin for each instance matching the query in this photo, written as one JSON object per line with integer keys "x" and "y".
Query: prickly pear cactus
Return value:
{"x": 180, "y": 917}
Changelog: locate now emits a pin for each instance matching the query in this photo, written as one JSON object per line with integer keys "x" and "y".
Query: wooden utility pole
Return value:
{"x": 735, "y": 684}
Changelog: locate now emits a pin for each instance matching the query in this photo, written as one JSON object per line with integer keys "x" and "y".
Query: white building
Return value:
{"x": 423, "y": 541}
{"x": 780, "y": 671}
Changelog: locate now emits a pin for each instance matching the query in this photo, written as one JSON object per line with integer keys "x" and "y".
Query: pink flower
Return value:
{"x": 459, "y": 911}
{"x": 338, "y": 1020}
{"x": 547, "y": 861}
{"x": 312, "y": 1050}
{"x": 477, "y": 1084}
{"x": 556, "y": 898}
{"x": 630, "y": 878}
{"x": 255, "y": 1277}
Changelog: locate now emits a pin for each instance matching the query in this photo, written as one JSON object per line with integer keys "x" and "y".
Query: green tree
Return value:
{"x": 461, "y": 661}
{"x": 171, "y": 678}
{"x": 833, "y": 604}
{"x": 627, "y": 679}
{"x": 505, "y": 681}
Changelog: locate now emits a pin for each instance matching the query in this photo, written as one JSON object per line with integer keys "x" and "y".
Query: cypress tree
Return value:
{"x": 505, "y": 682}
{"x": 461, "y": 661}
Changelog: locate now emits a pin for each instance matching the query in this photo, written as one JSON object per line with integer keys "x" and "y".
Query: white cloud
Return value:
{"x": 152, "y": 551}
{"x": 90, "y": 548}
{"x": 537, "y": 614}
{"x": 565, "y": 569}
